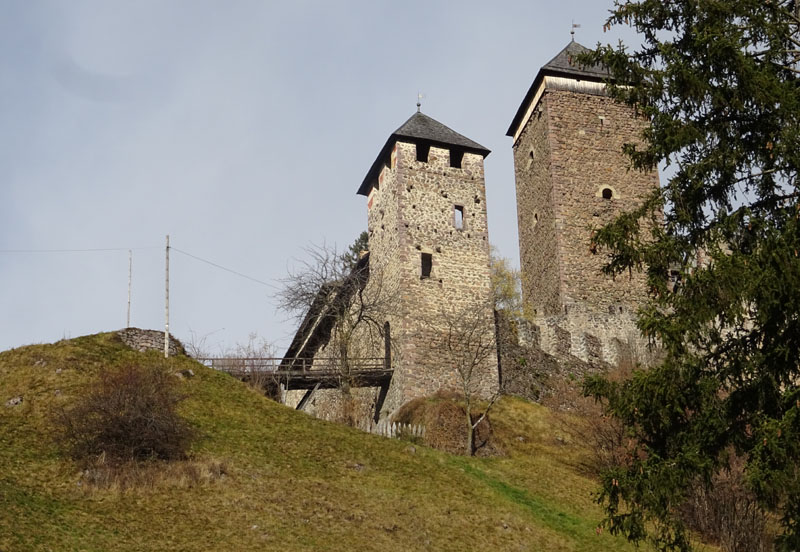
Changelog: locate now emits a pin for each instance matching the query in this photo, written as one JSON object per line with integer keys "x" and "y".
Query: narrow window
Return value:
{"x": 607, "y": 193}
{"x": 427, "y": 264}
{"x": 387, "y": 345}
{"x": 458, "y": 213}
{"x": 455, "y": 158}
{"x": 422, "y": 152}
{"x": 530, "y": 158}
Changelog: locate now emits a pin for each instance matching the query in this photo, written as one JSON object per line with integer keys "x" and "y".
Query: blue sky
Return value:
{"x": 240, "y": 128}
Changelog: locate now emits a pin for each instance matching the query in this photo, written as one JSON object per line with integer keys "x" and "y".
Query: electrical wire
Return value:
{"x": 100, "y": 249}
{"x": 92, "y": 250}
{"x": 271, "y": 286}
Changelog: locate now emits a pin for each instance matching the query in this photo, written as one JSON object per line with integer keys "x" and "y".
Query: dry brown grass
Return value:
{"x": 154, "y": 474}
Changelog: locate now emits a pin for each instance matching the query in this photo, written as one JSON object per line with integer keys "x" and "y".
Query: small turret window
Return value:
{"x": 422, "y": 152}
{"x": 455, "y": 158}
{"x": 607, "y": 193}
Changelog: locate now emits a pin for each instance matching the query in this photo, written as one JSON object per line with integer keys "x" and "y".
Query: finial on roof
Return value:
{"x": 419, "y": 101}
{"x": 572, "y": 31}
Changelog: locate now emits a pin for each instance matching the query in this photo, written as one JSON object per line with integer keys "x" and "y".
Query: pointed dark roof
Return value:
{"x": 420, "y": 129}
{"x": 563, "y": 65}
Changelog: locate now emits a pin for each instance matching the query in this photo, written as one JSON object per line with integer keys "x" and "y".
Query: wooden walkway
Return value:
{"x": 304, "y": 373}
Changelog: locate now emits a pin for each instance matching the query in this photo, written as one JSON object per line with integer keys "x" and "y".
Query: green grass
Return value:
{"x": 291, "y": 482}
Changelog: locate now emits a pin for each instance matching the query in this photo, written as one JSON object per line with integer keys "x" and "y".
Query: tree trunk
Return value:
{"x": 470, "y": 433}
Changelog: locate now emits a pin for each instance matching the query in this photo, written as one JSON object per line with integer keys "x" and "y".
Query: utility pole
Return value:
{"x": 166, "y": 306}
{"x": 130, "y": 271}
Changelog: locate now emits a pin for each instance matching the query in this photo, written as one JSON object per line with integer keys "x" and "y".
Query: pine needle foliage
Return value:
{"x": 719, "y": 83}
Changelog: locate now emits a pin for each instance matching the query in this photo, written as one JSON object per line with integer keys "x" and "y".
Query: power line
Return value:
{"x": 224, "y": 268}
{"x": 104, "y": 249}
{"x": 91, "y": 250}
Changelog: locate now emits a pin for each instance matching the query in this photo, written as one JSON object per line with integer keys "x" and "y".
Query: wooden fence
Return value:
{"x": 385, "y": 428}
{"x": 392, "y": 430}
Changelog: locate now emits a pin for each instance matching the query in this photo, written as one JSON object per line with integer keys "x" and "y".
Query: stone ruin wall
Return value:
{"x": 149, "y": 340}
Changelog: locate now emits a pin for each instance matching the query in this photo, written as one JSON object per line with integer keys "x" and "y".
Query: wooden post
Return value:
{"x": 130, "y": 272}
{"x": 166, "y": 305}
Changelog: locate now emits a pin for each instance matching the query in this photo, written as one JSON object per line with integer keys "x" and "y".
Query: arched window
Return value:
{"x": 607, "y": 193}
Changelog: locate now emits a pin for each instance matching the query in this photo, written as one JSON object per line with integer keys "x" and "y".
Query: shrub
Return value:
{"x": 727, "y": 513}
{"x": 129, "y": 413}
{"x": 442, "y": 416}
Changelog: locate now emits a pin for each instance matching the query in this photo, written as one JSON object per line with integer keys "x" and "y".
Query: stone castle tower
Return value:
{"x": 428, "y": 243}
{"x": 571, "y": 177}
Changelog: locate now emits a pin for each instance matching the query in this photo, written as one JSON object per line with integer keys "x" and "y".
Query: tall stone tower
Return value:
{"x": 428, "y": 243}
{"x": 572, "y": 177}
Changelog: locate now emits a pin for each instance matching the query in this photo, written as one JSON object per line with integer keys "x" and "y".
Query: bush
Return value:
{"x": 442, "y": 415}
{"x": 129, "y": 413}
{"x": 727, "y": 513}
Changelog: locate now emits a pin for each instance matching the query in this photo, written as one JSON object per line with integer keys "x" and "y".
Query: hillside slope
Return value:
{"x": 264, "y": 477}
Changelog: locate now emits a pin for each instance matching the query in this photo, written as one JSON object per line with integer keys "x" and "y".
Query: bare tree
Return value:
{"x": 465, "y": 339}
{"x": 341, "y": 305}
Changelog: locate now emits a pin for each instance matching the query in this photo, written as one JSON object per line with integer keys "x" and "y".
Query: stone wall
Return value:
{"x": 336, "y": 405}
{"x": 149, "y": 340}
{"x": 536, "y": 217}
{"x": 572, "y": 178}
{"x": 413, "y": 212}
{"x": 569, "y": 153}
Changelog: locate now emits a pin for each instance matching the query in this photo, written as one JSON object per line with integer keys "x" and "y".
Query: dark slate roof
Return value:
{"x": 420, "y": 129}
{"x": 563, "y": 65}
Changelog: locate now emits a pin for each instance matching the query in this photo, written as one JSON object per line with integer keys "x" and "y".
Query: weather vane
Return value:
{"x": 420, "y": 95}
{"x": 572, "y": 31}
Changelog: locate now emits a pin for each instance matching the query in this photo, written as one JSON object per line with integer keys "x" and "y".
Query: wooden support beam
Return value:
{"x": 307, "y": 397}
{"x": 381, "y": 399}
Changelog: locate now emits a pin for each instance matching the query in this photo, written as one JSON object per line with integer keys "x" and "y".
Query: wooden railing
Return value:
{"x": 304, "y": 373}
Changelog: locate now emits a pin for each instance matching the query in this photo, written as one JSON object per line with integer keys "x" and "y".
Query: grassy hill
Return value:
{"x": 264, "y": 477}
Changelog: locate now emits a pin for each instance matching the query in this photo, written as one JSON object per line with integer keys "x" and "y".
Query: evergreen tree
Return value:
{"x": 718, "y": 80}
{"x": 350, "y": 257}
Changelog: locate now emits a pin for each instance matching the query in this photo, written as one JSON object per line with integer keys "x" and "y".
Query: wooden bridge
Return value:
{"x": 306, "y": 373}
